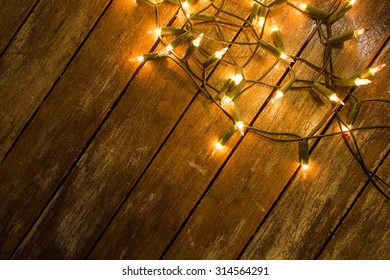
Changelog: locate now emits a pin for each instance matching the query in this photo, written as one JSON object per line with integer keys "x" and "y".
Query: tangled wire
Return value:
{"x": 202, "y": 43}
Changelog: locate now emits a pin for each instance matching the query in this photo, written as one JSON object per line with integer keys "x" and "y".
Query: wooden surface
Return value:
{"x": 103, "y": 158}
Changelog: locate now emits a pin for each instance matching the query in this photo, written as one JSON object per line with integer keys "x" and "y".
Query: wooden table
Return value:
{"x": 103, "y": 158}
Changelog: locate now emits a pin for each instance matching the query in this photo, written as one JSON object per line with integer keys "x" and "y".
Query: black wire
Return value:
{"x": 222, "y": 19}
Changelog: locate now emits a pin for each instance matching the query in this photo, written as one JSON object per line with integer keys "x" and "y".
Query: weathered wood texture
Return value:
{"x": 311, "y": 208}
{"x": 69, "y": 117}
{"x": 247, "y": 186}
{"x": 12, "y": 15}
{"x": 113, "y": 159}
{"x": 365, "y": 233}
{"x": 36, "y": 58}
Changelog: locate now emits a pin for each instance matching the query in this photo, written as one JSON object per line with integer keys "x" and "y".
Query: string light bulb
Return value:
{"x": 185, "y": 5}
{"x": 347, "y": 36}
{"x": 282, "y": 90}
{"x": 225, "y": 138}
{"x": 215, "y": 57}
{"x": 149, "y": 56}
{"x": 193, "y": 46}
{"x": 304, "y": 154}
{"x": 352, "y": 82}
{"x": 233, "y": 87}
{"x": 328, "y": 93}
{"x": 166, "y": 31}
{"x": 277, "y": 37}
{"x": 273, "y": 50}
{"x": 353, "y": 115}
{"x": 238, "y": 119}
{"x": 341, "y": 11}
{"x": 311, "y": 10}
{"x": 370, "y": 72}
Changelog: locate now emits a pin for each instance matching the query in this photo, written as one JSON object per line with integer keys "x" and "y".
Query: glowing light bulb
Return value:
{"x": 352, "y": 2}
{"x": 185, "y": 5}
{"x": 169, "y": 48}
{"x": 219, "y": 54}
{"x": 197, "y": 41}
{"x": 360, "y": 32}
{"x": 377, "y": 69}
{"x": 226, "y": 101}
{"x": 362, "y": 82}
{"x": 156, "y": 32}
{"x": 260, "y": 23}
{"x": 345, "y": 128}
{"x": 240, "y": 126}
{"x": 218, "y": 146}
{"x": 140, "y": 58}
{"x": 305, "y": 167}
{"x": 336, "y": 99}
{"x": 303, "y": 6}
{"x": 237, "y": 78}
{"x": 279, "y": 94}
{"x": 284, "y": 56}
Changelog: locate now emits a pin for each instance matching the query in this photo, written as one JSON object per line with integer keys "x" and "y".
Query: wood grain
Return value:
{"x": 248, "y": 185}
{"x": 120, "y": 152}
{"x": 12, "y": 15}
{"x": 37, "y": 57}
{"x": 114, "y": 159}
{"x": 312, "y": 207}
{"x": 365, "y": 232}
{"x": 177, "y": 177}
{"x": 69, "y": 117}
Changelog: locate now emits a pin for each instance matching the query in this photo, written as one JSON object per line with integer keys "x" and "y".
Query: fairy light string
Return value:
{"x": 186, "y": 47}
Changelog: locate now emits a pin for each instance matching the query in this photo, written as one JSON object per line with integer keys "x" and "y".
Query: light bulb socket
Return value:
{"x": 202, "y": 17}
{"x": 342, "y": 38}
{"x": 236, "y": 89}
{"x": 277, "y": 38}
{"x": 152, "y": 56}
{"x": 228, "y": 134}
{"x": 346, "y": 82}
{"x": 324, "y": 90}
{"x": 226, "y": 88}
{"x": 190, "y": 50}
{"x": 271, "y": 49}
{"x": 254, "y": 12}
{"x": 316, "y": 12}
{"x": 171, "y": 31}
{"x": 262, "y": 10}
{"x": 286, "y": 86}
{"x": 354, "y": 113}
{"x": 181, "y": 39}
{"x": 340, "y": 12}
{"x": 304, "y": 152}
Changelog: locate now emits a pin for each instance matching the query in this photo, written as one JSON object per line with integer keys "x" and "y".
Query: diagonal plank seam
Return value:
{"x": 350, "y": 208}
{"x": 56, "y": 81}
{"x": 301, "y": 50}
{"x": 332, "y": 232}
{"x": 155, "y": 155}
{"x": 86, "y": 145}
{"x": 20, "y": 26}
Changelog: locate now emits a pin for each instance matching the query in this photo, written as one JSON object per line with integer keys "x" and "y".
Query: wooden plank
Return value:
{"x": 67, "y": 120}
{"x": 255, "y": 175}
{"x": 37, "y": 57}
{"x": 311, "y": 208}
{"x": 179, "y": 175}
{"x": 12, "y": 15}
{"x": 365, "y": 232}
{"x": 124, "y": 145}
